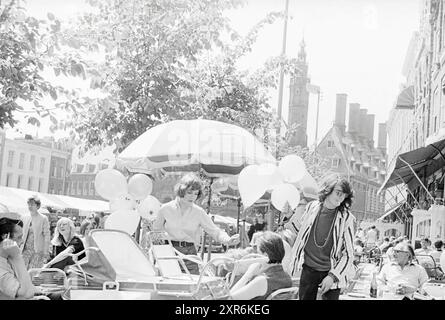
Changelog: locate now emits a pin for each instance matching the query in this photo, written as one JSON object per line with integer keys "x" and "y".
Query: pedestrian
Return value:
{"x": 36, "y": 236}
{"x": 183, "y": 220}
{"x": 323, "y": 252}
{"x": 371, "y": 238}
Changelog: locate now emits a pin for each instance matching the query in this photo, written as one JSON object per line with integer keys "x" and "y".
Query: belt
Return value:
{"x": 182, "y": 243}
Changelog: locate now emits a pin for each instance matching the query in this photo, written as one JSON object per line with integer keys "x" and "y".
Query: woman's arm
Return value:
{"x": 255, "y": 288}
{"x": 252, "y": 271}
{"x": 25, "y": 289}
{"x": 64, "y": 254}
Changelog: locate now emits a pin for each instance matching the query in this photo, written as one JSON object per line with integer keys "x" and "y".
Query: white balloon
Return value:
{"x": 124, "y": 220}
{"x": 149, "y": 208}
{"x": 271, "y": 174}
{"x": 292, "y": 167}
{"x": 110, "y": 184}
{"x": 285, "y": 193}
{"x": 123, "y": 202}
{"x": 251, "y": 185}
{"x": 140, "y": 186}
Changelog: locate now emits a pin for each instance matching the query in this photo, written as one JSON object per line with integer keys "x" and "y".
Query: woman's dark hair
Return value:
{"x": 271, "y": 244}
{"x": 7, "y": 226}
{"x": 327, "y": 187}
{"x": 188, "y": 182}
{"x": 438, "y": 244}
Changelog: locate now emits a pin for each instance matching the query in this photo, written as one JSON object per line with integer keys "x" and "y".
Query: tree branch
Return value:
{"x": 5, "y": 12}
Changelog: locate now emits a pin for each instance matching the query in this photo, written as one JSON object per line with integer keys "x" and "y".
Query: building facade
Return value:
{"x": 412, "y": 130}
{"x": 59, "y": 163}
{"x": 352, "y": 154}
{"x": 25, "y": 166}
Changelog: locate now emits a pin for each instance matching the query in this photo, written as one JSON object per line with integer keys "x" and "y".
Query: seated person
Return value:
{"x": 358, "y": 250}
{"x": 437, "y": 251}
{"x": 260, "y": 280}
{"x": 15, "y": 282}
{"x": 402, "y": 275}
{"x": 65, "y": 242}
{"x": 425, "y": 249}
{"x": 86, "y": 227}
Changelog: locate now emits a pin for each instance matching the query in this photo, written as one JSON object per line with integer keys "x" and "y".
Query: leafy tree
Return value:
{"x": 165, "y": 60}
{"x": 27, "y": 47}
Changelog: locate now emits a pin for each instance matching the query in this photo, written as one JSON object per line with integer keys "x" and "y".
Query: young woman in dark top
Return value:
{"x": 65, "y": 242}
{"x": 260, "y": 280}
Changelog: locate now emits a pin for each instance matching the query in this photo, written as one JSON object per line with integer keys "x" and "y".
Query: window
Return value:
{"x": 30, "y": 183}
{"x": 91, "y": 168}
{"x": 22, "y": 160}
{"x": 79, "y": 168}
{"x": 86, "y": 189}
{"x": 40, "y": 183}
{"x": 9, "y": 179}
{"x": 79, "y": 188}
{"x": 330, "y": 144}
{"x": 31, "y": 162}
{"x": 53, "y": 168}
{"x": 74, "y": 188}
{"x": 335, "y": 163}
{"x": 42, "y": 165}
{"x": 62, "y": 172}
{"x": 19, "y": 181}
{"x": 92, "y": 188}
{"x": 10, "y": 158}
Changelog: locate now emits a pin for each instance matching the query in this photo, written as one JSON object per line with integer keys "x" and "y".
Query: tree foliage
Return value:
{"x": 167, "y": 60}
{"x": 27, "y": 47}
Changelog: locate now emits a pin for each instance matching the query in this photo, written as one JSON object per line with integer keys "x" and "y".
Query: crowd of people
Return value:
{"x": 401, "y": 265}
{"x": 320, "y": 247}
{"x": 26, "y": 243}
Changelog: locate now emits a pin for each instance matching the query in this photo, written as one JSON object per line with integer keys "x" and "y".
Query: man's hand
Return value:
{"x": 326, "y": 284}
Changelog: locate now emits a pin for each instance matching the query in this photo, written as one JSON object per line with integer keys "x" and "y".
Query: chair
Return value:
{"x": 284, "y": 294}
{"x": 169, "y": 261}
{"x": 431, "y": 268}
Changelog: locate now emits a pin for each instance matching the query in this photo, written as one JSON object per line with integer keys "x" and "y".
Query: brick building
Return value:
{"x": 352, "y": 154}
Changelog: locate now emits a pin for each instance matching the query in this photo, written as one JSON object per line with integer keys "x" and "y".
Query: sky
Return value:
{"x": 355, "y": 47}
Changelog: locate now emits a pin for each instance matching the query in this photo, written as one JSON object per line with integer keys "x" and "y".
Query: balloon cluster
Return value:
{"x": 128, "y": 201}
{"x": 255, "y": 180}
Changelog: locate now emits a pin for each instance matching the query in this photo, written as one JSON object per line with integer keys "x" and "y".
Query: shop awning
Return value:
{"x": 423, "y": 161}
{"x": 405, "y": 100}
{"x": 397, "y": 206}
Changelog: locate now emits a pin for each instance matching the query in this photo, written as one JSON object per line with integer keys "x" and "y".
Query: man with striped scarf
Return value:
{"x": 323, "y": 252}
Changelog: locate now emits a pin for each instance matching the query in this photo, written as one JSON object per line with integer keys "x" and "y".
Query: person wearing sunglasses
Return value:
{"x": 401, "y": 276}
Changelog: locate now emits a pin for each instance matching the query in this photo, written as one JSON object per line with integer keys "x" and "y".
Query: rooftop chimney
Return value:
{"x": 340, "y": 111}
{"x": 354, "y": 117}
{"x": 362, "y": 123}
{"x": 382, "y": 136}
{"x": 370, "y": 128}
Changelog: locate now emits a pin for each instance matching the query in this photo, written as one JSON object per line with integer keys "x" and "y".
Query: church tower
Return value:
{"x": 299, "y": 100}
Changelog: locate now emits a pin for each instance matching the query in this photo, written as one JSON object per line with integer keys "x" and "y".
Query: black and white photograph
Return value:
{"x": 222, "y": 154}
